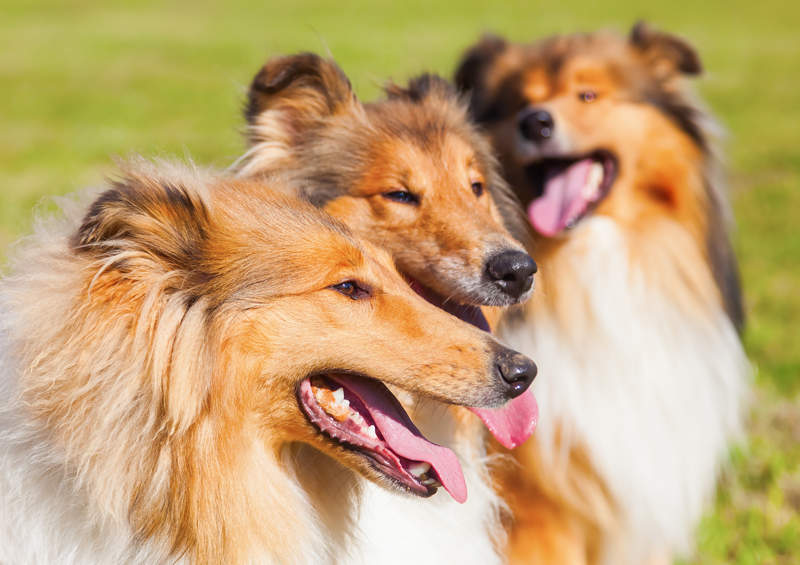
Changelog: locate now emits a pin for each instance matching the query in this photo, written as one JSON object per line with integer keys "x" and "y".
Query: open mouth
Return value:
{"x": 566, "y": 189}
{"x": 361, "y": 414}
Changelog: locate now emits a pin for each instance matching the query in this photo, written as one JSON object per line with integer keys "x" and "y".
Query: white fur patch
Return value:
{"x": 654, "y": 394}
{"x": 401, "y": 529}
{"x": 44, "y": 518}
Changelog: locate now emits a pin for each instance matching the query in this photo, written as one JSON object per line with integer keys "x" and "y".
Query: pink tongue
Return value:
{"x": 403, "y": 437}
{"x": 562, "y": 200}
{"x": 513, "y": 423}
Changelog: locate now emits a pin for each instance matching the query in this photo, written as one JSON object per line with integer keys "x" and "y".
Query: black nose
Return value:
{"x": 516, "y": 370}
{"x": 512, "y": 272}
{"x": 536, "y": 125}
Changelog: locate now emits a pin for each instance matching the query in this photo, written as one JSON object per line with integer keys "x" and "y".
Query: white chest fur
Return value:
{"x": 655, "y": 394}
{"x": 43, "y": 517}
{"x": 394, "y": 528}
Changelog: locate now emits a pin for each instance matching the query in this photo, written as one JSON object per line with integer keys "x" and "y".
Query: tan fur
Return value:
{"x": 160, "y": 343}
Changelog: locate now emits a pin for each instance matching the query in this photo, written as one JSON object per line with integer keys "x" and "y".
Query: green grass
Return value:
{"x": 82, "y": 81}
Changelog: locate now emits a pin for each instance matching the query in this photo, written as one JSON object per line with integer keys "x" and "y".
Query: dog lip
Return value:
{"x": 384, "y": 452}
{"x": 599, "y": 154}
{"x": 468, "y": 313}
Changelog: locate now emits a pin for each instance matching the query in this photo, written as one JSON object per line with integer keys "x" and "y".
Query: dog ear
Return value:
{"x": 471, "y": 71}
{"x": 421, "y": 87}
{"x": 151, "y": 227}
{"x": 295, "y": 91}
{"x": 665, "y": 51}
{"x": 147, "y": 219}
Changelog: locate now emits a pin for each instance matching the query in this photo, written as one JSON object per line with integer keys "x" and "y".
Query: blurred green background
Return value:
{"x": 82, "y": 81}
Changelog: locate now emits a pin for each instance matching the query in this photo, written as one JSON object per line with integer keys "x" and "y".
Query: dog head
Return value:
{"x": 194, "y": 327}
{"x": 589, "y": 116}
{"x": 408, "y": 172}
{"x": 602, "y": 125}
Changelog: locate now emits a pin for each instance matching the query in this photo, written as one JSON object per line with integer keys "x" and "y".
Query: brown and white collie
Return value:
{"x": 195, "y": 370}
{"x": 411, "y": 174}
{"x": 637, "y": 316}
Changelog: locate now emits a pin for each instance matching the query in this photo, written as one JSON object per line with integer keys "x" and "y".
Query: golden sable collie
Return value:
{"x": 410, "y": 173}
{"x": 171, "y": 355}
{"x": 637, "y": 316}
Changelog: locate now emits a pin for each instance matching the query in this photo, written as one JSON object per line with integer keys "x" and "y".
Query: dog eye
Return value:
{"x": 352, "y": 289}
{"x": 403, "y": 196}
{"x": 477, "y": 188}
{"x": 587, "y": 96}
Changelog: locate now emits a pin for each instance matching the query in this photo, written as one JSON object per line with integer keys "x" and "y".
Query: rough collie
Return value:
{"x": 195, "y": 370}
{"x": 636, "y": 321}
{"x": 410, "y": 173}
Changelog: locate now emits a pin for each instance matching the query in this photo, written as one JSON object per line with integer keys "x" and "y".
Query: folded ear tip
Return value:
{"x": 476, "y": 58}
{"x": 301, "y": 75}
{"x": 665, "y": 46}
{"x": 277, "y": 72}
{"x": 490, "y": 38}
{"x": 161, "y": 210}
{"x": 639, "y": 28}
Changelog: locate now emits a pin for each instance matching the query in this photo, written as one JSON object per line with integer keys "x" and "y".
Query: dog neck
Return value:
{"x": 436, "y": 530}
{"x": 640, "y": 367}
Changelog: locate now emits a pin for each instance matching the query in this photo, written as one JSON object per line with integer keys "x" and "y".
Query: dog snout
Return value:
{"x": 511, "y": 272}
{"x": 536, "y": 125}
{"x": 515, "y": 371}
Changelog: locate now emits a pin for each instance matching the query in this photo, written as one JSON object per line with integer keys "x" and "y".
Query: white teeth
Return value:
{"x": 431, "y": 482}
{"x": 357, "y": 418}
{"x": 339, "y": 400}
{"x": 591, "y": 189}
{"x": 419, "y": 469}
{"x": 336, "y": 405}
{"x": 333, "y": 403}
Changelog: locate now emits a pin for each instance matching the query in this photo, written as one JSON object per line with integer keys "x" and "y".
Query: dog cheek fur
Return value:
{"x": 139, "y": 413}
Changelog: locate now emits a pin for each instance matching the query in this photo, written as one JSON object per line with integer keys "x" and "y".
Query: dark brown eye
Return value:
{"x": 587, "y": 96}
{"x": 352, "y": 289}
{"x": 403, "y": 196}
{"x": 477, "y": 188}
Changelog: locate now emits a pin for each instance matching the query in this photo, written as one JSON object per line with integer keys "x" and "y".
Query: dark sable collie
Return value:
{"x": 636, "y": 322}
{"x": 170, "y": 359}
{"x": 410, "y": 173}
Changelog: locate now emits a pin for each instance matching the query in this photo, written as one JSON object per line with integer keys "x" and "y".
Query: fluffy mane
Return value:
{"x": 119, "y": 371}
